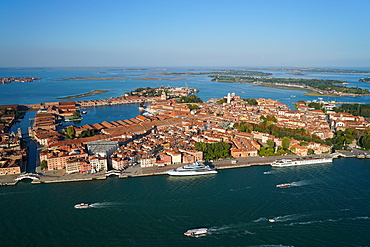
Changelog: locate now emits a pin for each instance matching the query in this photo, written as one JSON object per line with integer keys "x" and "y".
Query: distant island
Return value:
{"x": 364, "y": 80}
{"x": 153, "y": 78}
{"x": 89, "y": 79}
{"x": 6, "y": 80}
{"x": 295, "y": 73}
{"x": 95, "y": 92}
{"x": 322, "y": 87}
{"x": 221, "y": 72}
{"x": 319, "y": 70}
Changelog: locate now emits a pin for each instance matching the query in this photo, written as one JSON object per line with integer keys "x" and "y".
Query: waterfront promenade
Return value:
{"x": 60, "y": 176}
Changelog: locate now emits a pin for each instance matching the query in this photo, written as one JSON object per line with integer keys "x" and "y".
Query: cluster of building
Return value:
{"x": 4, "y": 80}
{"x": 169, "y": 91}
{"x": 13, "y": 154}
{"x": 7, "y": 116}
{"x": 91, "y": 157}
{"x": 170, "y": 135}
{"x": 56, "y": 107}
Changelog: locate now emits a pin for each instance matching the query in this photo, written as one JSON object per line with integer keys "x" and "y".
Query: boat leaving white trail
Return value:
{"x": 196, "y": 232}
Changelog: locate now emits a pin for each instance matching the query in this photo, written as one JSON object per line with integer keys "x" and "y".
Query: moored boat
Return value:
{"x": 82, "y": 205}
{"x": 192, "y": 169}
{"x": 298, "y": 162}
{"x": 196, "y": 231}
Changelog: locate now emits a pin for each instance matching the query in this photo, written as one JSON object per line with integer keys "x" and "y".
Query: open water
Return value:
{"x": 328, "y": 206}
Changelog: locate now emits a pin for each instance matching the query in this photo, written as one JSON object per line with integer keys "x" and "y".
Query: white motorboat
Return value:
{"x": 82, "y": 205}
{"x": 196, "y": 232}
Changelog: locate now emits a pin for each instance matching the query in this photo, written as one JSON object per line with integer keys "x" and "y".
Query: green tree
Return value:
{"x": 212, "y": 151}
{"x": 285, "y": 143}
{"x": 44, "y": 165}
{"x": 192, "y": 106}
{"x": 221, "y": 101}
{"x": 310, "y": 151}
{"x": 365, "y": 142}
{"x": 251, "y": 101}
{"x": 190, "y": 99}
{"x": 76, "y": 115}
{"x": 270, "y": 143}
{"x": 315, "y": 105}
{"x": 70, "y": 132}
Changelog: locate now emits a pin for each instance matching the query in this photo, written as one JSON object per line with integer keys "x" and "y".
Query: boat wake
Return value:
{"x": 231, "y": 229}
{"x": 329, "y": 220}
{"x": 239, "y": 189}
{"x": 302, "y": 183}
{"x": 105, "y": 205}
{"x": 283, "y": 218}
{"x": 9, "y": 193}
{"x": 262, "y": 219}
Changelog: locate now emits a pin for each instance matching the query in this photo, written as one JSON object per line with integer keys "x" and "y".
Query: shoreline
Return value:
{"x": 136, "y": 171}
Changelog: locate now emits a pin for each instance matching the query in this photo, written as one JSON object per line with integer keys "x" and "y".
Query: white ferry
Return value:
{"x": 192, "y": 169}
{"x": 196, "y": 232}
{"x": 82, "y": 205}
{"x": 298, "y": 162}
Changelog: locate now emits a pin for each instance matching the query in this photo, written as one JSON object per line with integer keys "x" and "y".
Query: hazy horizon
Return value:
{"x": 329, "y": 34}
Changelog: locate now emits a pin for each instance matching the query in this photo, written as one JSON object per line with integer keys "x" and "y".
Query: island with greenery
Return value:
{"x": 322, "y": 87}
{"x": 221, "y": 72}
{"x": 319, "y": 70}
{"x": 364, "y": 80}
{"x": 169, "y": 91}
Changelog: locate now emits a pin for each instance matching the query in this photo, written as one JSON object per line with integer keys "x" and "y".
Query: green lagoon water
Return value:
{"x": 328, "y": 206}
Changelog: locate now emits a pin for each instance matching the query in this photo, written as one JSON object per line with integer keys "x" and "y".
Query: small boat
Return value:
{"x": 361, "y": 156}
{"x": 266, "y": 172}
{"x": 82, "y": 205}
{"x": 272, "y": 220}
{"x": 286, "y": 185}
{"x": 196, "y": 231}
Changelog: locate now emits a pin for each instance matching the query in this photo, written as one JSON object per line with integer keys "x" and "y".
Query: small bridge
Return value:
{"x": 113, "y": 172}
{"x": 27, "y": 175}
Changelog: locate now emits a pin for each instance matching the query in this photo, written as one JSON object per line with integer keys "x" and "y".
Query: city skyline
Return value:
{"x": 190, "y": 33}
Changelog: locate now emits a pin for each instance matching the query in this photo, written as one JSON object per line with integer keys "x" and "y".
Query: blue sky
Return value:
{"x": 320, "y": 33}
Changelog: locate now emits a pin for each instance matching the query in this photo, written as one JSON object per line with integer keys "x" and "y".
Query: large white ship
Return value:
{"x": 192, "y": 169}
{"x": 299, "y": 162}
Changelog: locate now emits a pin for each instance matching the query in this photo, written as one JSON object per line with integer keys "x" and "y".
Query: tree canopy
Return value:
{"x": 213, "y": 151}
